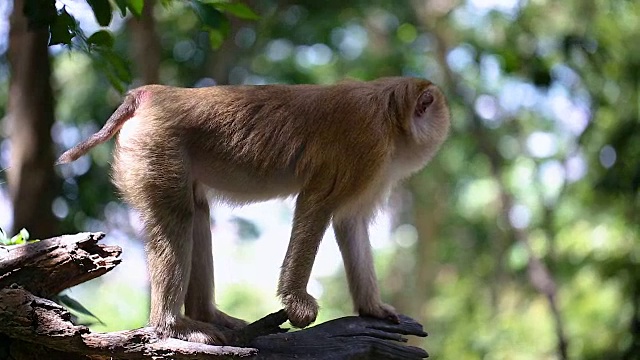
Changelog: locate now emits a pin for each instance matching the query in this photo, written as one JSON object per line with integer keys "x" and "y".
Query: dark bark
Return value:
{"x": 350, "y": 337}
{"x": 26, "y": 318}
{"x": 31, "y": 178}
{"x": 49, "y": 266}
{"x": 36, "y": 328}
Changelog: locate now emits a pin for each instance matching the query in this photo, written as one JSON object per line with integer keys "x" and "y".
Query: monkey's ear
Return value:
{"x": 429, "y": 119}
{"x": 422, "y": 104}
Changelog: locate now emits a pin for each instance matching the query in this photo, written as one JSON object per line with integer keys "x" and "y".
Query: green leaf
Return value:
{"x": 239, "y": 10}
{"x": 20, "y": 238}
{"x": 115, "y": 82}
{"x": 119, "y": 66}
{"x": 211, "y": 17}
{"x": 63, "y": 28}
{"x": 102, "y": 11}
{"x": 115, "y": 68}
{"x": 136, "y": 7}
{"x": 215, "y": 38}
{"x": 41, "y": 14}
{"x": 122, "y": 6}
{"x": 214, "y": 21}
{"x": 101, "y": 38}
{"x": 73, "y": 304}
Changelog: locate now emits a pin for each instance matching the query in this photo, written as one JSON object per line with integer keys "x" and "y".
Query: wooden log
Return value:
{"x": 35, "y": 328}
{"x": 350, "y": 337}
{"x": 33, "y": 320}
{"x": 49, "y": 266}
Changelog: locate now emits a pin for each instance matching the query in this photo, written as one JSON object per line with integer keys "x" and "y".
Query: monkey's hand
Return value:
{"x": 228, "y": 321}
{"x": 379, "y": 310}
{"x": 301, "y": 308}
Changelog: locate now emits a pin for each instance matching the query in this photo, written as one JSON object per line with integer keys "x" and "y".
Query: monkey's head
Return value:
{"x": 420, "y": 113}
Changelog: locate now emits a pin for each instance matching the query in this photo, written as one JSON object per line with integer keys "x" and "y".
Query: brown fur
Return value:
{"x": 340, "y": 148}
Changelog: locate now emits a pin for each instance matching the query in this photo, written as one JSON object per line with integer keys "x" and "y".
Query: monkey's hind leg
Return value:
{"x": 159, "y": 187}
{"x": 199, "y": 303}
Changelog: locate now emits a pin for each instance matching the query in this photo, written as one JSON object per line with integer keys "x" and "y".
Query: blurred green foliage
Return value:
{"x": 20, "y": 238}
{"x": 543, "y": 158}
{"x": 65, "y": 29}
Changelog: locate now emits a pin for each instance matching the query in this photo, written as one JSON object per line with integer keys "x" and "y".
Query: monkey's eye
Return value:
{"x": 424, "y": 101}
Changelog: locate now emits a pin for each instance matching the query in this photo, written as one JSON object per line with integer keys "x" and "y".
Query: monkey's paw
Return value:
{"x": 302, "y": 309}
{"x": 228, "y": 321}
{"x": 194, "y": 331}
{"x": 381, "y": 311}
{"x": 210, "y": 314}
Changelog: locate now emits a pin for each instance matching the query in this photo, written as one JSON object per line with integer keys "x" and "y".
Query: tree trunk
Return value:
{"x": 422, "y": 206}
{"x": 31, "y": 178}
{"x": 145, "y": 45}
{"x": 428, "y": 213}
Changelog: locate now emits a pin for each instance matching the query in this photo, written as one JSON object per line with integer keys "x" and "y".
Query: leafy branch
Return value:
{"x": 65, "y": 30}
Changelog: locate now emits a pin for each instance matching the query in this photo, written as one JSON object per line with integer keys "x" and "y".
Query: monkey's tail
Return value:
{"x": 124, "y": 112}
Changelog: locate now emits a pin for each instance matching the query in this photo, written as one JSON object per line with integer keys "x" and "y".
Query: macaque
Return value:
{"x": 339, "y": 148}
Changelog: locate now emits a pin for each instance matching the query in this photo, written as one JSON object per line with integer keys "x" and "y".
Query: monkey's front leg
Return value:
{"x": 353, "y": 239}
{"x": 311, "y": 220}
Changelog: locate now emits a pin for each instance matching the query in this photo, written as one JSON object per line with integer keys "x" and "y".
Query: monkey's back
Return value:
{"x": 283, "y": 136}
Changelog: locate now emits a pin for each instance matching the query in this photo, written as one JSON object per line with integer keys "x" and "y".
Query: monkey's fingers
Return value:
{"x": 268, "y": 325}
{"x": 405, "y": 326}
{"x": 346, "y": 338}
{"x": 389, "y": 318}
{"x": 273, "y": 320}
{"x": 394, "y": 350}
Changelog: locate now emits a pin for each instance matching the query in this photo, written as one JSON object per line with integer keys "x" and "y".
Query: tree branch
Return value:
{"x": 35, "y": 328}
{"x": 34, "y": 320}
{"x": 49, "y": 266}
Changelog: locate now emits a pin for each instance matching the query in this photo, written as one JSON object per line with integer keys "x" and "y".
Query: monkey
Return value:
{"x": 339, "y": 148}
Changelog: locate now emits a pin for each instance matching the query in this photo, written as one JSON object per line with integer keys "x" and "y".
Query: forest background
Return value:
{"x": 518, "y": 241}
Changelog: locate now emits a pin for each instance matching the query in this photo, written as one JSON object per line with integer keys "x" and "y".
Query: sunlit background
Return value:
{"x": 519, "y": 241}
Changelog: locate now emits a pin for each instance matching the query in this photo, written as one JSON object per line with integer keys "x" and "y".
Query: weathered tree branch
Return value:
{"x": 35, "y": 328}
{"x": 31, "y": 319}
{"x": 49, "y": 266}
{"x": 350, "y": 337}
